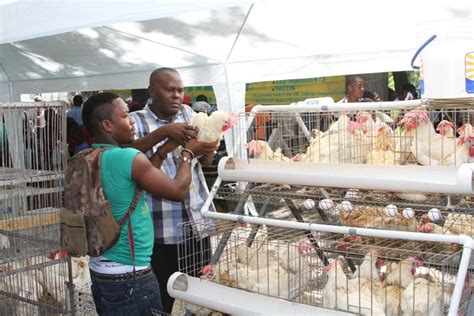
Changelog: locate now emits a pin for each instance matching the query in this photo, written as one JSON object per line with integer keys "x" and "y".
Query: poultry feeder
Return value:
{"x": 343, "y": 180}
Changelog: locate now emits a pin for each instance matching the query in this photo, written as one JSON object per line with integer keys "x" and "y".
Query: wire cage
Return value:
{"x": 401, "y": 211}
{"x": 385, "y": 142}
{"x": 391, "y": 167}
{"x": 34, "y": 276}
{"x": 430, "y": 134}
{"x": 369, "y": 276}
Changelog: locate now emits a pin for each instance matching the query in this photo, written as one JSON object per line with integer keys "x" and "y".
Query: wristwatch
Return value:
{"x": 186, "y": 159}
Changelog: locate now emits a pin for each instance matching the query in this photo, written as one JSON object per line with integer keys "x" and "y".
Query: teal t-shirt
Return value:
{"x": 119, "y": 189}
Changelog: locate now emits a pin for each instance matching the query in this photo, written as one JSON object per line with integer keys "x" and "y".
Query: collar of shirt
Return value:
{"x": 156, "y": 118}
{"x": 97, "y": 145}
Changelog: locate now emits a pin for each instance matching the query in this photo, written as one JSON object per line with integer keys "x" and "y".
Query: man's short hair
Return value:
{"x": 77, "y": 100}
{"x": 96, "y": 109}
{"x": 158, "y": 72}
{"x": 352, "y": 79}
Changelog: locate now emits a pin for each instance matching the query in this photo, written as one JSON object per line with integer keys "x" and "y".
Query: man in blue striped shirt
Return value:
{"x": 166, "y": 111}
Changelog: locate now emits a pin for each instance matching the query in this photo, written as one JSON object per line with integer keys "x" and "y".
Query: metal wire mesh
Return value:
{"x": 371, "y": 276}
{"x": 438, "y": 133}
{"x": 428, "y": 135}
{"x": 32, "y": 162}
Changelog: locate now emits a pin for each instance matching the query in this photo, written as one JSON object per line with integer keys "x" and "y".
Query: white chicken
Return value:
{"x": 341, "y": 293}
{"x": 54, "y": 285}
{"x": 402, "y": 274}
{"x": 429, "y": 227}
{"x": 256, "y": 256}
{"x": 342, "y": 142}
{"x": 421, "y": 297}
{"x": 369, "y": 269}
{"x": 80, "y": 270}
{"x": 367, "y": 280}
{"x": 465, "y": 129}
{"x": 4, "y": 242}
{"x": 270, "y": 279}
{"x": 458, "y": 223}
{"x": 417, "y": 129}
{"x": 464, "y": 151}
{"x": 431, "y": 152}
{"x": 211, "y": 128}
{"x": 275, "y": 281}
{"x": 383, "y": 153}
{"x": 366, "y": 124}
{"x": 260, "y": 149}
{"x": 399, "y": 277}
{"x": 335, "y": 290}
{"x": 24, "y": 284}
{"x": 300, "y": 261}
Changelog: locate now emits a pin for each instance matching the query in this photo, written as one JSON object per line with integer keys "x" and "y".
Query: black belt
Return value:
{"x": 122, "y": 277}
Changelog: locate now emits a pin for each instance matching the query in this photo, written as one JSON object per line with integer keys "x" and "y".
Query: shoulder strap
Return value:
{"x": 132, "y": 206}
{"x": 128, "y": 213}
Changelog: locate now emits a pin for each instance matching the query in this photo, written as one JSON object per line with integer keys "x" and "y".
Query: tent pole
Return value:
{"x": 10, "y": 84}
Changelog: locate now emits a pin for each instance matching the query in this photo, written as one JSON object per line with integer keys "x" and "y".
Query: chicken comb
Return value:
{"x": 331, "y": 265}
{"x": 463, "y": 138}
{"x": 231, "y": 119}
{"x": 444, "y": 123}
{"x": 383, "y": 127}
{"x": 374, "y": 251}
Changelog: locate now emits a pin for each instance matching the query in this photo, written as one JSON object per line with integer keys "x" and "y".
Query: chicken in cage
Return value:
{"x": 391, "y": 276}
{"x": 432, "y": 134}
{"x": 33, "y": 279}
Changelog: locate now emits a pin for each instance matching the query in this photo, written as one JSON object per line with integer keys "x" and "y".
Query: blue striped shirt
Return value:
{"x": 168, "y": 216}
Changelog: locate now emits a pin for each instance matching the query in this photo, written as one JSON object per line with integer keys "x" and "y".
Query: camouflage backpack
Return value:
{"x": 87, "y": 224}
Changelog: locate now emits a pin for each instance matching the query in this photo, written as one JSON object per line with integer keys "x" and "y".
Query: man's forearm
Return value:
{"x": 148, "y": 141}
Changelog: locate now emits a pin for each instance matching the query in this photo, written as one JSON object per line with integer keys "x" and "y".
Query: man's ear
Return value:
{"x": 150, "y": 90}
{"x": 106, "y": 125}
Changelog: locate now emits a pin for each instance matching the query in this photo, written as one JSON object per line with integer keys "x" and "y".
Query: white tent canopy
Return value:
{"x": 48, "y": 46}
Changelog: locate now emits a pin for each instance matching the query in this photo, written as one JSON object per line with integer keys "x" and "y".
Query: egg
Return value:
{"x": 434, "y": 214}
{"x": 326, "y": 204}
{"x": 352, "y": 194}
{"x": 408, "y": 213}
{"x": 390, "y": 210}
{"x": 346, "y": 206}
{"x": 309, "y": 203}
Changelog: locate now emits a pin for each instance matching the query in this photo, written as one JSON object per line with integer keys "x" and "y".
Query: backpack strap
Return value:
{"x": 127, "y": 215}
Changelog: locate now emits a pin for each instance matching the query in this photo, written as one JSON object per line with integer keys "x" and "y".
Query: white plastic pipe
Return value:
{"x": 328, "y": 106}
{"x": 234, "y": 301}
{"x": 464, "y": 240}
{"x": 212, "y": 194}
{"x": 406, "y": 178}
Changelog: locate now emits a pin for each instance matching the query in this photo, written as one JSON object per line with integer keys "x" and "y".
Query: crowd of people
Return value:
{"x": 151, "y": 147}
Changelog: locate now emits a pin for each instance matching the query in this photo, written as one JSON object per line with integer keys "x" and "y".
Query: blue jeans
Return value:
{"x": 140, "y": 296}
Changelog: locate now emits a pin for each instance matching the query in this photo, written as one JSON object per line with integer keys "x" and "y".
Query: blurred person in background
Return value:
{"x": 76, "y": 111}
{"x": 372, "y": 95}
{"x": 355, "y": 88}
{"x": 201, "y": 104}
